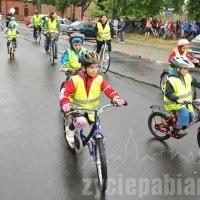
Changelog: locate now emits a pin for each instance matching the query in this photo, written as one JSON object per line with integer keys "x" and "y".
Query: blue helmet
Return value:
{"x": 76, "y": 37}
{"x": 11, "y": 25}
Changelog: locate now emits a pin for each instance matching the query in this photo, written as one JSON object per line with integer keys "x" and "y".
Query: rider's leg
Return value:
{"x": 109, "y": 45}
{"x": 99, "y": 45}
{"x": 183, "y": 120}
{"x": 34, "y": 32}
{"x": 48, "y": 42}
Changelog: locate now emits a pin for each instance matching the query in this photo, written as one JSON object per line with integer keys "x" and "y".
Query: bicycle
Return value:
{"x": 95, "y": 141}
{"x": 163, "y": 78}
{"x": 38, "y": 35}
{"x": 166, "y": 126}
{"x": 53, "y": 45}
{"x": 105, "y": 57}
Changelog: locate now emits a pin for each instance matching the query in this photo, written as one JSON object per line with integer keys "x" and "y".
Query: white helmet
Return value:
{"x": 182, "y": 62}
{"x": 183, "y": 42}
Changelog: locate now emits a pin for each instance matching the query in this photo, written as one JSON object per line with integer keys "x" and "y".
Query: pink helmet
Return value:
{"x": 183, "y": 42}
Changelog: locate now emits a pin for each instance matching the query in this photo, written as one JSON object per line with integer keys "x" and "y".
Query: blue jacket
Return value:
{"x": 65, "y": 56}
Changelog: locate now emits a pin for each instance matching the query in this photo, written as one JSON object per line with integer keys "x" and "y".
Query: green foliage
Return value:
{"x": 193, "y": 7}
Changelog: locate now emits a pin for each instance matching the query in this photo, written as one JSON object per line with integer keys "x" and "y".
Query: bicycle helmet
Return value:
{"x": 88, "y": 58}
{"x": 183, "y": 42}
{"x": 75, "y": 37}
{"x": 11, "y": 25}
{"x": 182, "y": 62}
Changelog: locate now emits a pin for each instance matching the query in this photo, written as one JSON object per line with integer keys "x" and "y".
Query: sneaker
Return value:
{"x": 69, "y": 135}
{"x": 182, "y": 132}
{"x": 56, "y": 57}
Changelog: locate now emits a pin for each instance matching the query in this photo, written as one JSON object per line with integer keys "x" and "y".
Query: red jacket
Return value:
{"x": 70, "y": 89}
{"x": 173, "y": 53}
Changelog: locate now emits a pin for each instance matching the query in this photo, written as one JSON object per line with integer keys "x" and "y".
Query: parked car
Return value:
{"x": 64, "y": 24}
{"x": 83, "y": 27}
{"x": 194, "y": 48}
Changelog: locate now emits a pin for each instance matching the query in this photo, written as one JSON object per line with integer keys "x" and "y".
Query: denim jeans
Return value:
{"x": 184, "y": 117}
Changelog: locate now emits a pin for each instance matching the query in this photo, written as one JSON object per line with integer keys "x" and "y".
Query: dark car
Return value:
{"x": 195, "y": 47}
{"x": 83, "y": 27}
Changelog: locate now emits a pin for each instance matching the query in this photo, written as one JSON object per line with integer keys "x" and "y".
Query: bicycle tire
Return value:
{"x": 101, "y": 165}
{"x": 162, "y": 80}
{"x": 52, "y": 54}
{"x": 105, "y": 64}
{"x": 150, "y": 119}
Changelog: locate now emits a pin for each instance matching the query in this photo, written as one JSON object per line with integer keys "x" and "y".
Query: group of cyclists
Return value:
{"x": 84, "y": 85}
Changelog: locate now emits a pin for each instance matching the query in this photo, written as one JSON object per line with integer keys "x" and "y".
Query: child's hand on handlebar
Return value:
{"x": 180, "y": 101}
{"x": 119, "y": 102}
{"x": 65, "y": 69}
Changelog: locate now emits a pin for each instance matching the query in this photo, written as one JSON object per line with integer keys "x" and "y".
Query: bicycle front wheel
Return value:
{"x": 52, "y": 49}
{"x": 105, "y": 61}
{"x": 157, "y": 123}
{"x": 101, "y": 165}
{"x": 38, "y": 39}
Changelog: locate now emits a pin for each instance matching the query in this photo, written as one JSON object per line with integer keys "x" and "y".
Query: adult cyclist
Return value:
{"x": 51, "y": 24}
{"x": 37, "y": 23}
{"x": 104, "y": 30}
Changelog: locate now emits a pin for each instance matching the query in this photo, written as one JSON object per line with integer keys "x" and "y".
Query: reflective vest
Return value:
{"x": 80, "y": 97}
{"x": 52, "y": 25}
{"x": 11, "y": 34}
{"x": 73, "y": 63}
{"x": 177, "y": 53}
{"x": 181, "y": 90}
{"x": 103, "y": 33}
{"x": 37, "y": 20}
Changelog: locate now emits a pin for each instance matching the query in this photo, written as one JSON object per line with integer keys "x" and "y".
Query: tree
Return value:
{"x": 62, "y": 5}
{"x": 193, "y": 7}
{"x": 38, "y": 4}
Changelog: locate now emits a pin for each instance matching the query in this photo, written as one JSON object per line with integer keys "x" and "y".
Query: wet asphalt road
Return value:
{"x": 36, "y": 164}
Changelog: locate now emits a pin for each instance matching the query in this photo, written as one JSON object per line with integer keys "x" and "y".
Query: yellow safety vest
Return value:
{"x": 37, "y": 20}
{"x": 52, "y": 25}
{"x": 73, "y": 63}
{"x": 11, "y": 34}
{"x": 181, "y": 90}
{"x": 81, "y": 99}
{"x": 103, "y": 33}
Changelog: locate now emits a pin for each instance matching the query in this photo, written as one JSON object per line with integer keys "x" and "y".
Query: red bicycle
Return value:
{"x": 162, "y": 124}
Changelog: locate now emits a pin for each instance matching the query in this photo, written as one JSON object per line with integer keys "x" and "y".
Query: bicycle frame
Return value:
{"x": 172, "y": 119}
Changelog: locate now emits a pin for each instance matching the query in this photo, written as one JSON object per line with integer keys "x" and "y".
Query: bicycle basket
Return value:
{"x": 53, "y": 35}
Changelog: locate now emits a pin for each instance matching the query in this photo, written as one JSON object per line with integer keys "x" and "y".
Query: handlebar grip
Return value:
{"x": 126, "y": 103}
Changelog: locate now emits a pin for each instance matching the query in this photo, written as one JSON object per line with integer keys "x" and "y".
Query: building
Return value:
{"x": 22, "y": 9}
{"x": 26, "y": 8}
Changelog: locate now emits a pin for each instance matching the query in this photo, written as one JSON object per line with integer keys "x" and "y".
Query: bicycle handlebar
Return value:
{"x": 99, "y": 110}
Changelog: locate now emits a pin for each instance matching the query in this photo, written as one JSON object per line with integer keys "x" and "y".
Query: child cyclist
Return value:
{"x": 11, "y": 34}
{"x": 181, "y": 50}
{"x": 69, "y": 59}
{"x": 85, "y": 89}
{"x": 178, "y": 90}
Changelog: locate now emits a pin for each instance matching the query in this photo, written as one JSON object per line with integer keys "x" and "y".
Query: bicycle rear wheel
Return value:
{"x": 163, "y": 78}
{"x": 105, "y": 61}
{"x": 11, "y": 53}
{"x": 157, "y": 130}
{"x": 52, "y": 52}
{"x": 101, "y": 165}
